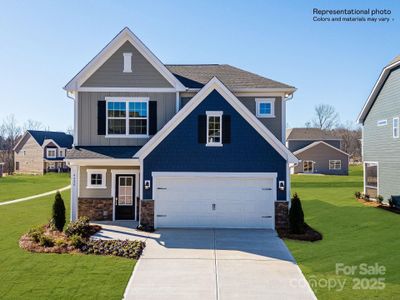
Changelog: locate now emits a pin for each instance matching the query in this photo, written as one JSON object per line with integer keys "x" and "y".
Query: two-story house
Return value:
{"x": 318, "y": 152}
{"x": 38, "y": 152}
{"x": 177, "y": 145}
{"x": 381, "y": 134}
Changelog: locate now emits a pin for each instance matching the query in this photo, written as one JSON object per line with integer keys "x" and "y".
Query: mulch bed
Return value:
{"x": 309, "y": 235}
{"x": 379, "y": 205}
{"x": 391, "y": 209}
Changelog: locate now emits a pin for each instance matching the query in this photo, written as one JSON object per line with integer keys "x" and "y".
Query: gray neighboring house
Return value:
{"x": 381, "y": 137}
{"x": 318, "y": 152}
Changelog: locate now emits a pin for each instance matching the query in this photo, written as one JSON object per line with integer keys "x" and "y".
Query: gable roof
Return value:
{"x": 60, "y": 138}
{"x": 377, "y": 88}
{"x": 216, "y": 84}
{"x": 123, "y": 36}
{"x": 315, "y": 144}
{"x": 196, "y": 77}
{"x": 309, "y": 134}
{"x": 102, "y": 152}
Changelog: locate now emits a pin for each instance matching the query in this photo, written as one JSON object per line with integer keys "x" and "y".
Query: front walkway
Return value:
{"x": 211, "y": 264}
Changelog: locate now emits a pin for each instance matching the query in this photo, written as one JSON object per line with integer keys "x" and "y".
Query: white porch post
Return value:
{"x": 74, "y": 192}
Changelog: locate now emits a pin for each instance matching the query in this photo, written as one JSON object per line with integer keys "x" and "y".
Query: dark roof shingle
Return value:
{"x": 196, "y": 76}
{"x": 309, "y": 134}
{"x": 102, "y": 152}
{"x": 61, "y": 138}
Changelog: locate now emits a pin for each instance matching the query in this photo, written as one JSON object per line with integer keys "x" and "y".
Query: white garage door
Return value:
{"x": 217, "y": 200}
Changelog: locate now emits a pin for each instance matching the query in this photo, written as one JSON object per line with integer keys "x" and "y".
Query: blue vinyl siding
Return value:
{"x": 248, "y": 151}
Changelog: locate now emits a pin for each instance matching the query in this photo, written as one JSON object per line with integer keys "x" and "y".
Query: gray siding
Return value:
{"x": 111, "y": 74}
{"x": 378, "y": 142}
{"x": 295, "y": 145}
{"x": 273, "y": 124}
{"x": 87, "y": 117}
{"x": 321, "y": 154}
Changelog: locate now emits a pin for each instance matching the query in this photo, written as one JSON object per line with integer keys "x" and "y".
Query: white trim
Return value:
{"x": 283, "y": 113}
{"x": 177, "y": 102}
{"x": 334, "y": 161}
{"x": 128, "y": 100}
{"x": 127, "y": 62}
{"x": 315, "y": 144}
{"x": 215, "y": 84}
{"x": 125, "y": 35}
{"x": 103, "y": 162}
{"x": 381, "y": 123}
{"x": 51, "y": 149}
{"x": 219, "y": 115}
{"x": 127, "y": 89}
{"x": 375, "y": 90}
{"x": 102, "y": 172}
{"x": 251, "y": 92}
{"x": 308, "y": 139}
{"x": 395, "y": 129}
{"x": 74, "y": 192}
{"x": 270, "y": 101}
{"x": 48, "y": 141}
{"x": 115, "y": 172}
{"x": 76, "y": 119}
{"x": 377, "y": 176}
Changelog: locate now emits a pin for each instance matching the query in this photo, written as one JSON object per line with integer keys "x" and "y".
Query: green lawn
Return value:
{"x": 25, "y": 275}
{"x": 19, "y": 186}
{"x": 353, "y": 234}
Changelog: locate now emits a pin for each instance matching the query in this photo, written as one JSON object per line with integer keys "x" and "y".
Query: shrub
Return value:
{"x": 366, "y": 197}
{"x": 46, "y": 241}
{"x": 58, "y": 215}
{"x": 127, "y": 249}
{"x": 79, "y": 227}
{"x": 379, "y": 198}
{"x": 357, "y": 195}
{"x": 36, "y": 233}
{"x": 296, "y": 216}
{"x": 60, "y": 242}
{"x": 77, "y": 241}
{"x": 391, "y": 202}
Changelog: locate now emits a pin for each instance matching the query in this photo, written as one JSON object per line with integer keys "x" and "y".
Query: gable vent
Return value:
{"x": 127, "y": 62}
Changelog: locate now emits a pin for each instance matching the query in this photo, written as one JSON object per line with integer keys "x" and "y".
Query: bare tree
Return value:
{"x": 33, "y": 125}
{"x": 70, "y": 130}
{"x": 351, "y": 139}
{"x": 11, "y": 133}
{"x": 326, "y": 117}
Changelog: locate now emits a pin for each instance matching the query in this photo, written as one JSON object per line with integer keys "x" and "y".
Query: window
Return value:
{"x": 51, "y": 153}
{"x": 381, "y": 123}
{"x": 214, "y": 128}
{"x": 396, "y": 127}
{"x": 61, "y": 153}
{"x": 125, "y": 190}
{"x": 127, "y": 62}
{"x": 371, "y": 179}
{"x": 96, "y": 179}
{"x": 127, "y": 116}
{"x": 308, "y": 166}
{"x": 265, "y": 108}
{"x": 335, "y": 165}
{"x": 17, "y": 166}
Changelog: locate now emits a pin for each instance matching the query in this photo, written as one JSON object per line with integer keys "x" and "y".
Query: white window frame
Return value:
{"x": 214, "y": 114}
{"x": 335, "y": 166}
{"x": 51, "y": 156}
{"x": 312, "y": 166}
{"x": 380, "y": 123}
{"x": 365, "y": 176}
{"x": 128, "y": 100}
{"x": 127, "y": 62}
{"x": 103, "y": 173}
{"x": 260, "y": 101}
{"x": 396, "y": 128}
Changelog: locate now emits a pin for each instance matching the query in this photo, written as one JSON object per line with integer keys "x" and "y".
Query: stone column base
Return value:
{"x": 281, "y": 214}
{"x": 96, "y": 209}
{"x": 147, "y": 213}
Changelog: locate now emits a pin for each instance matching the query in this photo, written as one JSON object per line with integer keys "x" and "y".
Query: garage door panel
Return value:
{"x": 222, "y": 202}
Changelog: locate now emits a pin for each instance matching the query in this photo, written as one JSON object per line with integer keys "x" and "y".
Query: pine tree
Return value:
{"x": 296, "y": 216}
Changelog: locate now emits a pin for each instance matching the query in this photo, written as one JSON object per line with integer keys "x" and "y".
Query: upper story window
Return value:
{"x": 96, "y": 178}
{"x": 265, "y": 107}
{"x": 127, "y": 62}
{"x": 214, "y": 128}
{"x": 381, "y": 122}
{"x": 61, "y": 153}
{"x": 396, "y": 127}
{"x": 127, "y": 117}
{"x": 51, "y": 153}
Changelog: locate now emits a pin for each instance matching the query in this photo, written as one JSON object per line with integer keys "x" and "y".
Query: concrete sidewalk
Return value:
{"x": 35, "y": 196}
{"x": 216, "y": 264}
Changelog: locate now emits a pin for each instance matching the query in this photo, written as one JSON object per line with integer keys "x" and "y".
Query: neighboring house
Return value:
{"x": 1, "y": 169}
{"x": 177, "y": 145}
{"x": 381, "y": 134}
{"x": 318, "y": 152}
{"x": 38, "y": 152}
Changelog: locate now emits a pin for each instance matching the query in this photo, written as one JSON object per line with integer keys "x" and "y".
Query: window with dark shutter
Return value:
{"x": 201, "y": 126}
{"x": 101, "y": 117}
{"x": 152, "y": 117}
{"x": 226, "y": 129}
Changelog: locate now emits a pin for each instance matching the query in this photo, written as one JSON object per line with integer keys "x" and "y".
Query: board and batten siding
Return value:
{"x": 273, "y": 124}
{"x": 378, "y": 142}
{"x": 29, "y": 156}
{"x": 87, "y": 117}
{"x": 111, "y": 74}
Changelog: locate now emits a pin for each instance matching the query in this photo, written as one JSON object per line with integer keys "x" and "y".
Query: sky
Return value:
{"x": 44, "y": 44}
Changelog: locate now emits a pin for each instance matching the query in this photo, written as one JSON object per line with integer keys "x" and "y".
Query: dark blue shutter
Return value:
{"x": 201, "y": 127}
{"x": 101, "y": 117}
{"x": 152, "y": 117}
{"x": 226, "y": 129}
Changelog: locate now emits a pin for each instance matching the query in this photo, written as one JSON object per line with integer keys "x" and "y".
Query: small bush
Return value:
{"x": 36, "y": 233}
{"x": 60, "y": 242}
{"x": 357, "y": 195}
{"x": 58, "y": 213}
{"x": 77, "y": 241}
{"x": 46, "y": 241}
{"x": 296, "y": 216}
{"x": 366, "y": 197}
{"x": 127, "y": 249}
{"x": 379, "y": 198}
{"x": 79, "y": 227}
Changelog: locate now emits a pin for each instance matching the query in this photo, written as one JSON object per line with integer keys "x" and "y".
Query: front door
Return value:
{"x": 125, "y": 197}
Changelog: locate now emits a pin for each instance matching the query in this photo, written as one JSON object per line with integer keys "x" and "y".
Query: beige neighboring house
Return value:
{"x": 1, "y": 169}
{"x": 39, "y": 152}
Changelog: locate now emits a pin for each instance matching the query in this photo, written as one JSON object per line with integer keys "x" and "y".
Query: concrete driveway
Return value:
{"x": 216, "y": 264}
